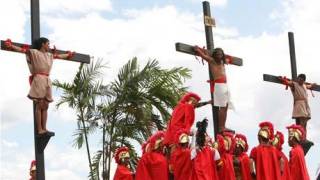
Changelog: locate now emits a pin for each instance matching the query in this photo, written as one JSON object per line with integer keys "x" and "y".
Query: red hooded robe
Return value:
{"x": 152, "y": 165}
{"x": 204, "y": 166}
{"x": 123, "y": 173}
{"x": 267, "y": 162}
{"x": 245, "y": 166}
{"x": 182, "y": 163}
{"x": 297, "y": 164}
{"x": 182, "y": 118}
{"x": 286, "y": 171}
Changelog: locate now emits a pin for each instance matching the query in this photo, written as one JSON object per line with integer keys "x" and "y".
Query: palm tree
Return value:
{"x": 136, "y": 98}
{"x": 82, "y": 95}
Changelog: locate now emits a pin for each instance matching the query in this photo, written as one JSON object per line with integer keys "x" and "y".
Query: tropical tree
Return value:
{"x": 82, "y": 95}
{"x": 139, "y": 103}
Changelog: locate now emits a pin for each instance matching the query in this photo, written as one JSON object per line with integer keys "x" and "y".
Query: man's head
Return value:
{"x": 190, "y": 98}
{"x": 218, "y": 55}
{"x": 241, "y": 144}
{"x": 265, "y": 133}
{"x": 296, "y": 134}
{"x": 122, "y": 156}
{"x": 201, "y": 132}
{"x": 33, "y": 170}
{"x": 41, "y": 44}
{"x": 182, "y": 138}
{"x": 278, "y": 140}
{"x": 301, "y": 78}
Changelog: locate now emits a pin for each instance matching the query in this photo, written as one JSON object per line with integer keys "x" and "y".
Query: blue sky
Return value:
{"x": 119, "y": 30}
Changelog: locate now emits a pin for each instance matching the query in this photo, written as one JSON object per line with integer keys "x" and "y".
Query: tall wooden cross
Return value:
{"x": 275, "y": 79}
{"x": 209, "y": 22}
{"x": 41, "y": 141}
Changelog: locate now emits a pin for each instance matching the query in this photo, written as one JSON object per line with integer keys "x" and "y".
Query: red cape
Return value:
{"x": 204, "y": 166}
{"x": 297, "y": 164}
{"x": 267, "y": 162}
{"x": 226, "y": 172}
{"x": 182, "y": 118}
{"x": 181, "y": 163}
{"x": 123, "y": 173}
{"x": 152, "y": 165}
{"x": 286, "y": 171}
{"x": 245, "y": 166}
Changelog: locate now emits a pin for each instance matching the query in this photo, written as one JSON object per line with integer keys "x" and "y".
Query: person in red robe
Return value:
{"x": 182, "y": 117}
{"x": 241, "y": 160}
{"x": 226, "y": 171}
{"x": 265, "y": 159}
{"x": 297, "y": 164}
{"x": 284, "y": 163}
{"x": 32, "y": 171}
{"x": 181, "y": 164}
{"x": 153, "y": 164}
{"x": 204, "y": 158}
{"x": 123, "y": 171}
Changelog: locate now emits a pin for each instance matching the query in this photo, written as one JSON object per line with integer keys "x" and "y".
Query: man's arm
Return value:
{"x": 9, "y": 45}
{"x": 200, "y": 104}
{"x": 310, "y": 86}
{"x": 67, "y": 55}
{"x": 286, "y": 81}
{"x": 204, "y": 54}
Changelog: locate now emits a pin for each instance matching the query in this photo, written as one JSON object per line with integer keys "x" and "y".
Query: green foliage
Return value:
{"x": 130, "y": 108}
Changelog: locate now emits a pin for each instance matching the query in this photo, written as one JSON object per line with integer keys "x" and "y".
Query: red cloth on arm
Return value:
{"x": 267, "y": 162}
{"x": 182, "y": 118}
{"x": 182, "y": 163}
{"x": 297, "y": 164}
{"x": 151, "y": 166}
{"x": 123, "y": 173}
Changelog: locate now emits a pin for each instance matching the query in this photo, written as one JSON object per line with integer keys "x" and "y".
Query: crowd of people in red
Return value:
{"x": 171, "y": 154}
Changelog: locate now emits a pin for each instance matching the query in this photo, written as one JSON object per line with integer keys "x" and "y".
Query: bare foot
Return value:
{"x": 42, "y": 131}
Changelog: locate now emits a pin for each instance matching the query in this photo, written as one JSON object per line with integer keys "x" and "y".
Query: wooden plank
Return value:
{"x": 78, "y": 57}
{"x": 275, "y": 79}
{"x": 185, "y": 48}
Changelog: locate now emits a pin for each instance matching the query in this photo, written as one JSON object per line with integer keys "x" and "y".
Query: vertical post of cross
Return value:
{"x": 35, "y": 34}
{"x": 210, "y": 46}
{"x": 292, "y": 56}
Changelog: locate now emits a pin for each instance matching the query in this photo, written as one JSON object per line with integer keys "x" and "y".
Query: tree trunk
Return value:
{"x": 87, "y": 143}
{"x": 103, "y": 150}
{"x": 110, "y": 147}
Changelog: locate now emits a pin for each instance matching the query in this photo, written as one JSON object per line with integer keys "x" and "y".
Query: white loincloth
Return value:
{"x": 221, "y": 96}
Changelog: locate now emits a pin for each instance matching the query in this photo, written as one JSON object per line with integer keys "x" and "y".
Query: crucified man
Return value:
{"x": 219, "y": 86}
{"x": 301, "y": 110}
{"x": 40, "y": 59}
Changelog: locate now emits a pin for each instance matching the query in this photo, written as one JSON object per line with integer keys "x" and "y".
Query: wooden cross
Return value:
{"x": 41, "y": 141}
{"x": 209, "y": 22}
{"x": 276, "y": 79}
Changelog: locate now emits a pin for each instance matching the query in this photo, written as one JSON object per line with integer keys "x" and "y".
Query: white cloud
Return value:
{"x": 152, "y": 33}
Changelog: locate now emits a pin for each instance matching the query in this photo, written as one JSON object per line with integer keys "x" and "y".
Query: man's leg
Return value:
{"x": 39, "y": 117}
{"x": 44, "y": 115}
{"x": 222, "y": 118}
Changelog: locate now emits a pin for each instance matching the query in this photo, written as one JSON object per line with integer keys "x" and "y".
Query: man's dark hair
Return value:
{"x": 223, "y": 55}
{"x": 37, "y": 44}
{"x": 201, "y": 132}
{"x": 302, "y": 76}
